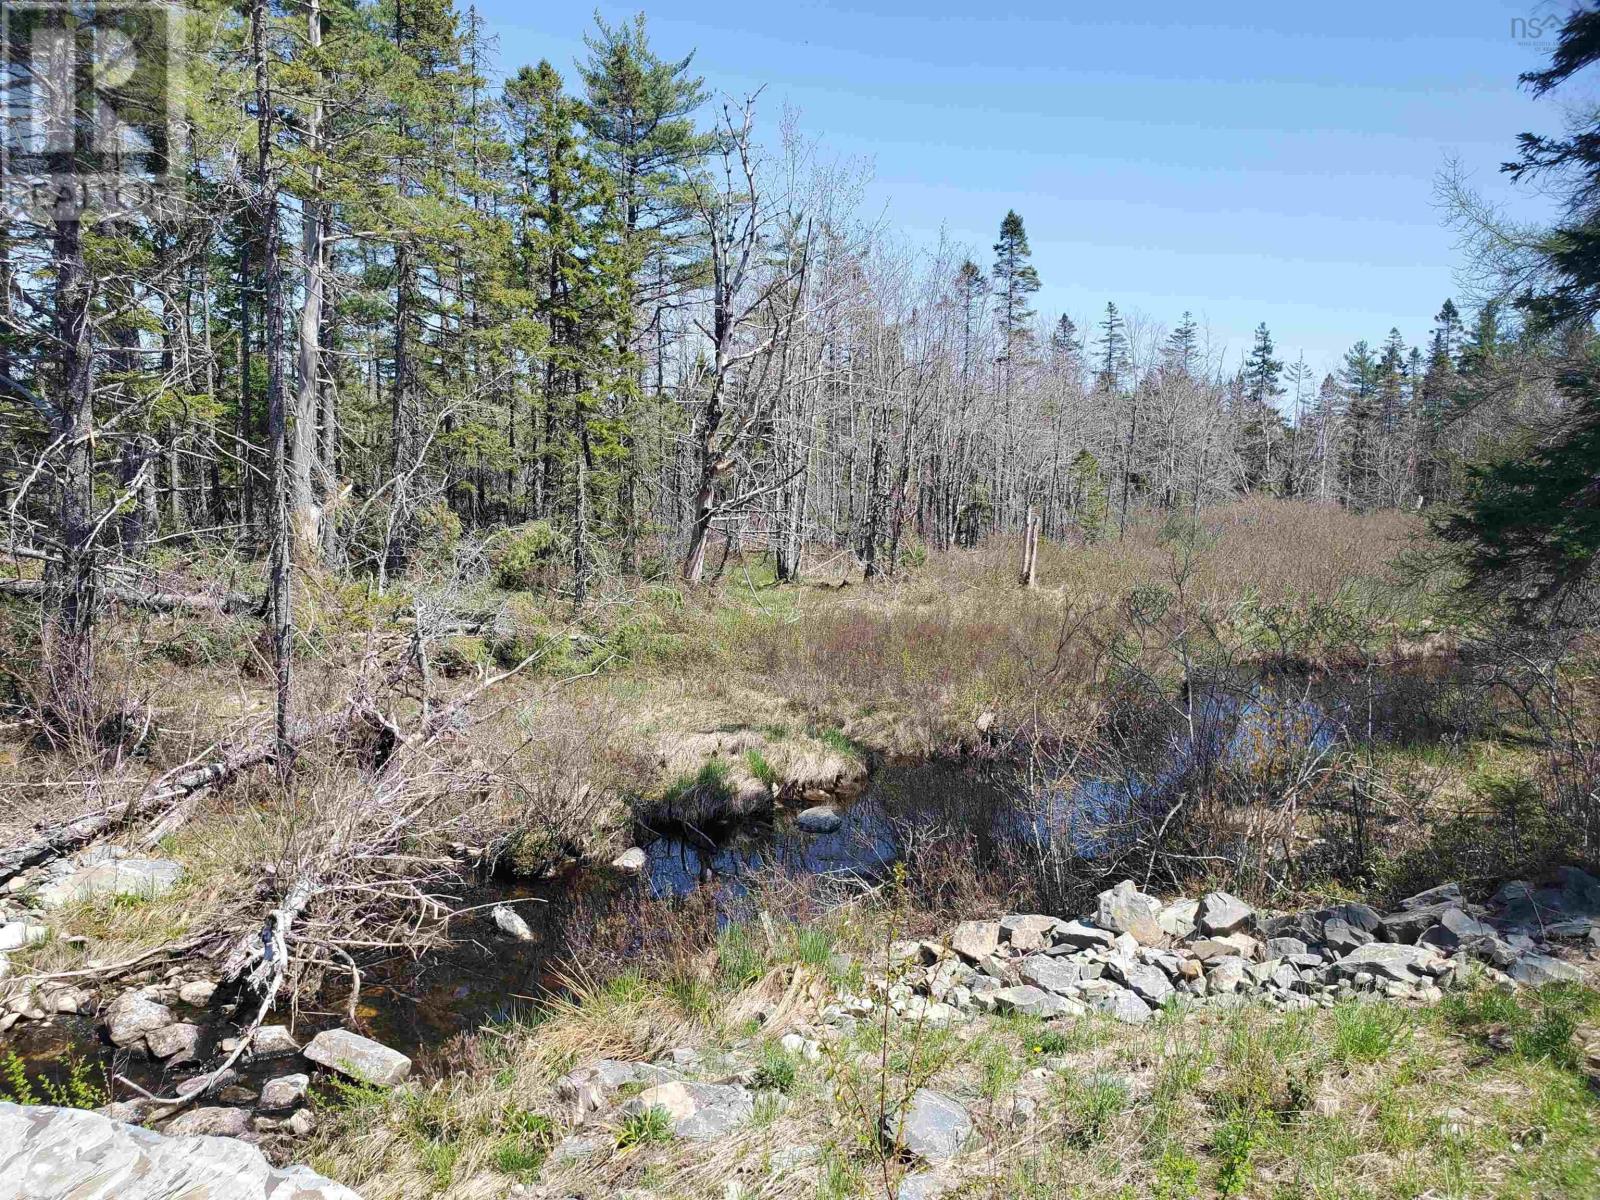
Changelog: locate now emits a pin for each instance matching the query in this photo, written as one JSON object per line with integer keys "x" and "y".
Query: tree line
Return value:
{"x": 389, "y": 300}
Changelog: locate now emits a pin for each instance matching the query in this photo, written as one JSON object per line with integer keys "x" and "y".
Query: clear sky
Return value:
{"x": 1246, "y": 161}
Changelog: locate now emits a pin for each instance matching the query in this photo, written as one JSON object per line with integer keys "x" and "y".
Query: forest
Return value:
{"x": 548, "y": 648}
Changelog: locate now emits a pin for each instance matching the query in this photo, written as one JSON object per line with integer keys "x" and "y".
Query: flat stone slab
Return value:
{"x": 146, "y": 878}
{"x": 358, "y": 1057}
{"x": 933, "y": 1127}
{"x": 1389, "y": 960}
{"x": 51, "y": 1152}
{"x": 699, "y": 1111}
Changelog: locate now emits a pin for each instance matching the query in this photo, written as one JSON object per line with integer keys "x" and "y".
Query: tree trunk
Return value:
{"x": 303, "y": 451}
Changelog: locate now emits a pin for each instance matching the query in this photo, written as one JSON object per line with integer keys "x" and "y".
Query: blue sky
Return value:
{"x": 1265, "y": 162}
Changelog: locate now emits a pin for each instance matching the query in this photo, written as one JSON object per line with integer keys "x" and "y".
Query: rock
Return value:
{"x": 1580, "y": 891}
{"x": 509, "y": 922}
{"x": 699, "y": 1111}
{"x": 1125, "y": 909}
{"x": 923, "y": 1185}
{"x": 1032, "y": 1001}
{"x": 1221, "y": 914}
{"x": 1177, "y": 920}
{"x": 1445, "y": 893}
{"x": 1079, "y": 936}
{"x": 574, "y": 1148}
{"x": 631, "y": 861}
{"x": 1051, "y": 974}
{"x": 1029, "y": 932}
{"x": 302, "y": 1123}
{"x": 141, "y": 877}
{"x": 1387, "y": 960}
{"x": 198, "y": 993}
{"x": 1536, "y": 970}
{"x": 1410, "y": 924}
{"x": 975, "y": 939}
{"x": 1234, "y": 945}
{"x": 1342, "y": 937}
{"x": 189, "y": 1087}
{"x": 177, "y": 1043}
{"x": 1150, "y": 984}
{"x": 801, "y": 1046}
{"x": 821, "y": 818}
{"x": 209, "y": 1122}
{"x": 358, "y": 1057}
{"x": 285, "y": 1091}
{"x": 1125, "y": 1006}
{"x": 273, "y": 1041}
{"x": 1285, "y": 947}
{"x": 70, "y": 1152}
{"x": 1454, "y": 927}
{"x": 14, "y": 935}
{"x": 933, "y": 1127}
{"x": 589, "y": 1088}
{"x": 132, "y": 1016}
{"x": 1227, "y": 973}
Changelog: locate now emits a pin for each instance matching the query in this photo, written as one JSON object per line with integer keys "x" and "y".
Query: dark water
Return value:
{"x": 419, "y": 1005}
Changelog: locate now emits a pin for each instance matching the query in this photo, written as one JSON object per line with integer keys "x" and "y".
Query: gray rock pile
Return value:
{"x": 1135, "y": 954}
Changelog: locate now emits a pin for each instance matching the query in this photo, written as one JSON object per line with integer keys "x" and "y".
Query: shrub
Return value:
{"x": 525, "y": 558}
{"x": 776, "y": 1071}
{"x": 648, "y": 1128}
{"x": 461, "y": 655}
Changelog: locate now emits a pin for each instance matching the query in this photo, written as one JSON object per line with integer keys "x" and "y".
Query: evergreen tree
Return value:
{"x": 1261, "y": 424}
{"x": 1015, "y": 279}
{"x": 1359, "y": 445}
{"x": 1111, "y": 351}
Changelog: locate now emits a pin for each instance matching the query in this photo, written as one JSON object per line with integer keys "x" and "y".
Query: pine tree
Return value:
{"x": 1358, "y": 454}
{"x": 1111, "y": 351}
{"x": 1015, "y": 279}
{"x": 1261, "y": 424}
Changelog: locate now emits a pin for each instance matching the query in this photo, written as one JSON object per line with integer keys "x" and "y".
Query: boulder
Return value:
{"x": 1580, "y": 891}
{"x": 142, "y": 877}
{"x": 1220, "y": 914}
{"x": 974, "y": 940}
{"x": 14, "y": 935}
{"x": 132, "y": 1016}
{"x": 1536, "y": 970}
{"x": 509, "y": 922}
{"x": 1124, "y": 1005}
{"x": 820, "y": 818}
{"x": 358, "y": 1057}
{"x": 1444, "y": 894}
{"x": 198, "y": 993}
{"x": 285, "y": 1091}
{"x": 178, "y": 1043}
{"x": 209, "y": 1122}
{"x": 273, "y": 1041}
{"x": 1240, "y": 945}
{"x": 1342, "y": 937}
{"x": 1388, "y": 960}
{"x": 1285, "y": 947}
{"x": 1125, "y": 909}
{"x": 1051, "y": 974}
{"x": 1032, "y": 1002}
{"x": 1028, "y": 932}
{"x": 71, "y": 1152}
{"x": 933, "y": 1127}
{"x": 1410, "y": 924}
{"x": 1455, "y": 927}
{"x": 1150, "y": 984}
{"x": 631, "y": 861}
{"x": 699, "y": 1111}
{"x": 1078, "y": 936}
{"x": 1177, "y": 920}
{"x": 1227, "y": 973}
{"x": 588, "y": 1089}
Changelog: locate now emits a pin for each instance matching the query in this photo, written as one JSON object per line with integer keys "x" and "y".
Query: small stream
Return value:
{"x": 420, "y": 1005}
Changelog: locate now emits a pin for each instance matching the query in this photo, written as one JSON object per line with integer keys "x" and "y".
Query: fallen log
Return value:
{"x": 50, "y": 841}
{"x": 162, "y": 602}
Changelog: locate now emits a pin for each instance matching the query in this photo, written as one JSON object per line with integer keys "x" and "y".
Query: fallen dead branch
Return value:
{"x": 161, "y": 602}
